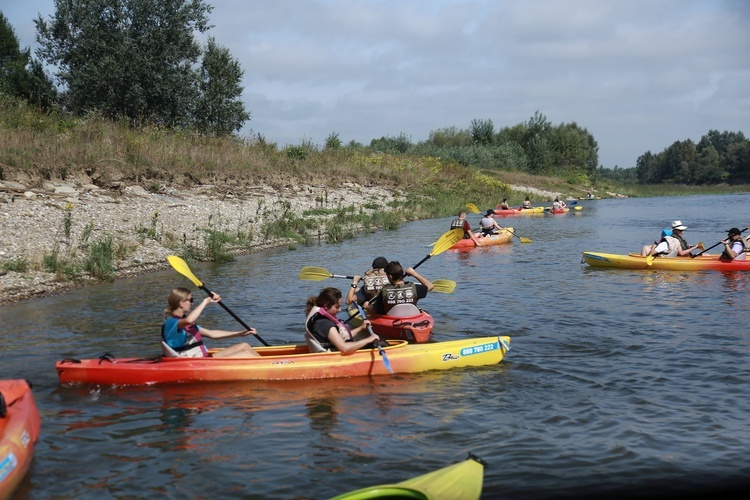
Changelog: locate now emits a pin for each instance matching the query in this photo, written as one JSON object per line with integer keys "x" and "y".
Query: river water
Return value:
{"x": 618, "y": 382}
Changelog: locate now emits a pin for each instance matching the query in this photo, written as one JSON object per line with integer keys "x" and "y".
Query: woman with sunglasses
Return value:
{"x": 183, "y": 336}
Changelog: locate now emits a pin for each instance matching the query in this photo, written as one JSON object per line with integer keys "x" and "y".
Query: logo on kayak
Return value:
{"x": 479, "y": 349}
{"x": 7, "y": 465}
{"x": 450, "y": 357}
{"x": 284, "y": 362}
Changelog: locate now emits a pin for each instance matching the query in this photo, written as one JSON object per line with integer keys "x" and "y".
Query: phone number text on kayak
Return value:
{"x": 479, "y": 349}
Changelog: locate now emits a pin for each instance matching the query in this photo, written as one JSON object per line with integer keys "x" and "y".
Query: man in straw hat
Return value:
{"x": 677, "y": 228}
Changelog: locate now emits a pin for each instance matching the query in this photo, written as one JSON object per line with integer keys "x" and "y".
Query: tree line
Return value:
{"x": 134, "y": 60}
{"x": 719, "y": 157}
{"x": 535, "y": 146}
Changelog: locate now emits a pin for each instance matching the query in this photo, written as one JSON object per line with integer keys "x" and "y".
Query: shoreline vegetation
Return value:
{"x": 84, "y": 200}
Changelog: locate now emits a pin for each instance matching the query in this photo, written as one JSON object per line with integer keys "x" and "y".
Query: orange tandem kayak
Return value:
{"x": 500, "y": 238}
{"x": 287, "y": 362}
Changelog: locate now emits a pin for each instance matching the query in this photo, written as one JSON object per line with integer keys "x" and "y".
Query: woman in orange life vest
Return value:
{"x": 330, "y": 332}
{"x": 180, "y": 332}
{"x": 372, "y": 282}
{"x": 400, "y": 292}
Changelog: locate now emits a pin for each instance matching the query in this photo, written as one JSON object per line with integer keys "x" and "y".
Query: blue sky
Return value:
{"x": 638, "y": 74}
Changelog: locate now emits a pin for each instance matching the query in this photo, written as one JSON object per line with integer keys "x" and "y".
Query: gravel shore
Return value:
{"x": 32, "y": 223}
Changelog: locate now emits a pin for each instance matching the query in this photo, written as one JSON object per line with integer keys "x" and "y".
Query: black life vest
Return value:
{"x": 393, "y": 295}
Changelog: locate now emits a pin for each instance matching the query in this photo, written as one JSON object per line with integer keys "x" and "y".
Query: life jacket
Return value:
{"x": 488, "y": 225}
{"x": 741, "y": 255}
{"x": 526, "y": 204}
{"x": 683, "y": 243}
{"x": 193, "y": 345}
{"x": 504, "y": 206}
{"x": 672, "y": 248}
{"x": 374, "y": 280}
{"x": 459, "y": 224}
{"x": 324, "y": 342}
{"x": 392, "y": 295}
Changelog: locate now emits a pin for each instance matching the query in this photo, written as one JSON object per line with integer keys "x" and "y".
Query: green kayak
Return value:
{"x": 462, "y": 480}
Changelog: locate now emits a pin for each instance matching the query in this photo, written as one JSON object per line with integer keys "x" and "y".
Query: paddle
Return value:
{"x": 181, "y": 267}
{"x": 447, "y": 240}
{"x": 474, "y": 209}
{"x": 716, "y": 245}
{"x": 650, "y": 258}
{"x": 386, "y": 361}
{"x": 314, "y": 273}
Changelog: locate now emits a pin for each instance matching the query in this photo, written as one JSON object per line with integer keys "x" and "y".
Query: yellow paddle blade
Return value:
{"x": 314, "y": 273}
{"x": 701, "y": 246}
{"x": 444, "y": 286}
{"x": 525, "y": 240}
{"x": 446, "y": 241}
{"x": 649, "y": 260}
{"x": 181, "y": 267}
{"x": 473, "y": 208}
{"x": 578, "y": 207}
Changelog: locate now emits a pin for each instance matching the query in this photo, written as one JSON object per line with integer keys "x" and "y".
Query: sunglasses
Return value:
{"x": 190, "y": 300}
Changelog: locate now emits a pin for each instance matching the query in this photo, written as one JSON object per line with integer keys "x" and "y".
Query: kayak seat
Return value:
{"x": 168, "y": 351}
{"x": 313, "y": 345}
{"x": 404, "y": 311}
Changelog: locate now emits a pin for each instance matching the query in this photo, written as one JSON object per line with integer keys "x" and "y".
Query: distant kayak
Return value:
{"x": 500, "y": 238}
{"x": 519, "y": 211}
{"x": 459, "y": 481}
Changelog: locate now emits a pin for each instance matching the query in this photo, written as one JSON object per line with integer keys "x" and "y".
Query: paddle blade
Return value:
{"x": 386, "y": 361}
{"x": 649, "y": 260}
{"x": 446, "y": 241}
{"x": 314, "y": 273}
{"x": 578, "y": 207}
{"x": 444, "y": 286}
{"x": 383, "y": 355}
{"x": 473, "y": 208}
{"x": 525, "y": 240}
{"x": 181, "y": 267}
{"x": 701, "y": 245}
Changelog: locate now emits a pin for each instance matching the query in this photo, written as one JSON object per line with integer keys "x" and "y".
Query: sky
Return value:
{"x": 637, "y": 74}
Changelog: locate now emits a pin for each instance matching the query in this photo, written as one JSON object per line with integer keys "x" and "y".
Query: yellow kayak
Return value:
{"x": 460, "y": 481}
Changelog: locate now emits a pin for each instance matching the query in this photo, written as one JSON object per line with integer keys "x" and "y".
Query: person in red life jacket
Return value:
{"x": 184, "y": 336}
{"x": 329, "y": 331}
{"x": 372, "y": 281}
{"x": 399, "y": 291}
{"x": 462, "y": 223}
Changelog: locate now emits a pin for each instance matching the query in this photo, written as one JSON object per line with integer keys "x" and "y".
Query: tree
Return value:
{"x": 537, "y": 144}
{"x": 220, "y": 110}
{"x": 20, "y": 76}
{"x": 138, "y": 59}
{"x": 482, "y": 131}
{"x": 449, "y": 137}
{"x": 646, "y": 168}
